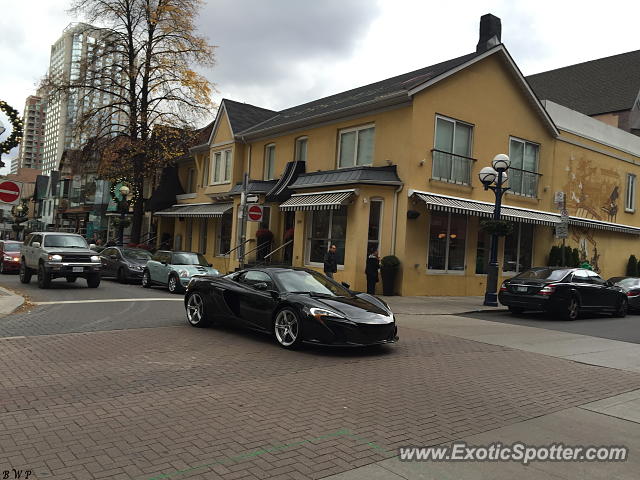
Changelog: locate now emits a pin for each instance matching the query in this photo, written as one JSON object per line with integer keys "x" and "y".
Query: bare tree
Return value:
{"x": 138, "y": 74}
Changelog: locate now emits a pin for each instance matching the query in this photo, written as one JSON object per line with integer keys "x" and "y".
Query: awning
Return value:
{"x": 600, "y": 225}
{"x": 318, "y": 201}
{"x": 201, "y": 210}
{"x": 484, "y": 209}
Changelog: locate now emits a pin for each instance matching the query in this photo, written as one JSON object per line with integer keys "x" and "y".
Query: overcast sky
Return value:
{"x": 279, "y": 53}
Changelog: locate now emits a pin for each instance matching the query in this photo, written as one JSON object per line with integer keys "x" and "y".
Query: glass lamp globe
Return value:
{"x": 487, "y": 175}
{"x": 501, "y": 162}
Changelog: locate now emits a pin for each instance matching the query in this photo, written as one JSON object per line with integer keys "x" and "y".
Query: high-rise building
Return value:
{"x": 31, "y": 147}
{"x": 74, "y": 58}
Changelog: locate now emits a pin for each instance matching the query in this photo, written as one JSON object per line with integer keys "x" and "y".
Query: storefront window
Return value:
{"x": 483, "y": 252}
{"x": 327, "y": 227}
{"x": 518, "y": 248}
{"x": 224, "y": 234}
{"x": 447, "y": 240}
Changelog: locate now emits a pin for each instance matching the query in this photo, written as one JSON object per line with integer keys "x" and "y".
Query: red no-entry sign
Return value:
{"x": 10, "y": 192}
{"x": 255, "y": 213}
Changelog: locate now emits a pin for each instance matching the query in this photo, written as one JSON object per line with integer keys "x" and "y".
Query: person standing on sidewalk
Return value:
{"x": 330, "y": 262}
{"x": 371, "y": 271}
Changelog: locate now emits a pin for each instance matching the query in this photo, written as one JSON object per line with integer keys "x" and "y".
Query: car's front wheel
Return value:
{"x": 287, "y": 328}
{"x": 174, "y": 284}
{"x": 196, "y": 311}
{"x": 25, "y": 273}
{"x": 44, "y": 277}
{"x": 146, "y": 279}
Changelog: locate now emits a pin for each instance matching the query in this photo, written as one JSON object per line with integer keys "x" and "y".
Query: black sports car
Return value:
{"x": 295, "y": 305}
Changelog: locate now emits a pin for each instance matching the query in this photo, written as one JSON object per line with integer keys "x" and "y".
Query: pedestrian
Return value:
{"x": 371, "y": 271}
{"x": 330, "y": 262}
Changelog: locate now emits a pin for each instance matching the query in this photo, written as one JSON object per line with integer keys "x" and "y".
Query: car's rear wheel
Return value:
{"x": 93, "y": 280}
{"x": 146, "y": 279}
{"x": 196, "y": 311}
{"x": 516, "y": 310}
{"x": 122, "y": 275}
{"x": 174, "y": 284}
{"x": 622, "y": 309}
{"x": 44, "y": 277}
{"x": 287, "y": 328}
{"x": 573, "y": 309}
{"x": 25, "y": 273}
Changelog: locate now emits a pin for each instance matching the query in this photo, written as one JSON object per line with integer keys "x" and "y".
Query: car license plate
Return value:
{"x": 77, "y": 269}
{"x": 522, "y": 289}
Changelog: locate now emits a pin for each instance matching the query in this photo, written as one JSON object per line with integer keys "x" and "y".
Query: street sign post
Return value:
{"x": 254, "y": 213}
{"x": 10, "y": 192}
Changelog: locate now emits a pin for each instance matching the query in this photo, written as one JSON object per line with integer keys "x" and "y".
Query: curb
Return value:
{"x": 9, "y": 301}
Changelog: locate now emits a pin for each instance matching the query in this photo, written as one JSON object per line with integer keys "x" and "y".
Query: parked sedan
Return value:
{"x": 631, "y": 286}
{"x": 294, "y": 305}
{"x": 10, "y": 256}
{"x": 125, "y": 264}
{"x": 564, "y": 292}
{"x": 175, "y": 269}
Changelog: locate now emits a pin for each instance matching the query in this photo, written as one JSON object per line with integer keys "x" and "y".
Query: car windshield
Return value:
{"x": 189, "y": 259}
{"x": 628, "y": 282}
{"x": 65, "y": 241}
{"x": 308, "y": 282}
{"x": 12, "y": 247}
{"x": 136, "y": 254}
{"x": 543, "y": 274}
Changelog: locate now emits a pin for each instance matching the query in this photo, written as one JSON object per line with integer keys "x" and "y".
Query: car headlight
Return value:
{"x": 135, "y": 267}
{"x": 95, "y": 258}
{"x": 55, "y": 258}
{"x": 183, "y": 273}
{"x": 8, "y": 258}
{"x": 319, "y": 313}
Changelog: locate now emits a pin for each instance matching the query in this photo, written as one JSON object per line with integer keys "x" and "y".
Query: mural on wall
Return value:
{"x": 592, "y": 191}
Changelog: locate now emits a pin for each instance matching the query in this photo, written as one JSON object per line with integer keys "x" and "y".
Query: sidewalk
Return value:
{"x": 437, "y": 305}
{"x": 9, "y": 301}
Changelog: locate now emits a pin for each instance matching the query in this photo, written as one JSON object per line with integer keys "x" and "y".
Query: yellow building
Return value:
{"x": 394, "y": 166}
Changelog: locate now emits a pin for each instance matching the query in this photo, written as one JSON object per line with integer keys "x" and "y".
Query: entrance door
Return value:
{"x": 289, "y": 226}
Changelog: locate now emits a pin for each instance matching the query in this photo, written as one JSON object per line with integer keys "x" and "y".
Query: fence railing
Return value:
{"x": 452, "y": 168}
{"x": 524, "y": 182}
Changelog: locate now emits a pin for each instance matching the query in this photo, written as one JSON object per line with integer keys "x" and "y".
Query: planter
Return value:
{"x": 389, "y": 268}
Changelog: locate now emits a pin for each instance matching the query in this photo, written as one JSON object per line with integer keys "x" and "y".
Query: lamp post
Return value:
{"x": 124, "y": 209}
{"x": 493, "y": 178}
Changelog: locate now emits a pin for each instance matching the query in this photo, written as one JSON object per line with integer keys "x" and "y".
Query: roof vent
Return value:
{"x": 490, "y": 32}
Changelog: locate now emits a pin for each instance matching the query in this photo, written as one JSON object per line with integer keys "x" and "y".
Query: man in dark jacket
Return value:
{"x": 371, "y": 271}
{"x": 330, "y": 262}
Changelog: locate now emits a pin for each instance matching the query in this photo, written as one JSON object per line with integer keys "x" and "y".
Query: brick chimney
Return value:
{"x": 490, "y": 32}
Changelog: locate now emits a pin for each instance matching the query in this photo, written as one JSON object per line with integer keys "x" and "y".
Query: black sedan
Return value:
{"x": 123, "y": 263}
{"x": 631, "y": 286}
{"x": 562, "y": 291}
{"x": 294, "y": 305}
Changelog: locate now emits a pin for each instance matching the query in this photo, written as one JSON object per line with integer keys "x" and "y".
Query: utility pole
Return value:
{"x": 242, "y": 215}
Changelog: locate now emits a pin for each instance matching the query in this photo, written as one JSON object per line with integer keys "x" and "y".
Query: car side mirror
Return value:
{"x": 609, "y": 283}
{"x": 35, "y": 244}
{"x": 92, "y": 246}
{"x": 262, "y": 286}
{"x": 345, "y": 285}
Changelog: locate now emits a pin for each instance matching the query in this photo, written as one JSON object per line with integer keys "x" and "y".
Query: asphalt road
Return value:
{"x": 604, "y": 326}
{"x": 111, "y": 306}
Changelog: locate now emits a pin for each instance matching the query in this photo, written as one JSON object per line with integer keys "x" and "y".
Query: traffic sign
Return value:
{"x": 252, "y": 199}
{"x": 255, "y": 213}
{"x": 562, "y": 230}
{"x": 10, "y": 192}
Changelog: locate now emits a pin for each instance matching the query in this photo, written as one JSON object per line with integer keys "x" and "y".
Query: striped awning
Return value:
{"x": 201, "y": 210}
{"x": 318, "y": 201}
{"x": 600, "y": 225}
{"x": 484, "y": 209}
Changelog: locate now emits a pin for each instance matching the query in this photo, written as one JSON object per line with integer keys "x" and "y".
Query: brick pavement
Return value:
{"x": 178, "y": 402}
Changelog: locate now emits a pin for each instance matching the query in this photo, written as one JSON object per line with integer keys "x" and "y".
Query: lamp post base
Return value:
{"x": 490, "y": 300}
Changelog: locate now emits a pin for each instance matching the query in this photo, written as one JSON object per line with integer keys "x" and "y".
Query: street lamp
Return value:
{"x": 493, "y": 178}
{"x": 124, "y": 209}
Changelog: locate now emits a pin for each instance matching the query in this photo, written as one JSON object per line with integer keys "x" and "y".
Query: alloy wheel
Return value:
{"x": 173, "y": 284}
{"x": 195, "y": 309}
{"x": 573, "y": 309}
{"x": 146, "y": 281}
{"x": 287, "y": 328}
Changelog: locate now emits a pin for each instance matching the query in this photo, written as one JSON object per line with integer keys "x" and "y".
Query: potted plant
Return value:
{"x": 389, "y": 267}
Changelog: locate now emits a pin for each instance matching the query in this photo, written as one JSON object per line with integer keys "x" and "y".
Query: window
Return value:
{"x": 356, "y": 146}
{"x": 447, "y": 236}
{"x": 266, "y": 218}
{"x": 301, "y": 149}
{"x": 252, "y": 277}
{"x": 269, "y": 161}
{"x": 203, "y": 236}
{"x": 222, "y": 166}
{"x": 205, "y": 173}
{"x": 224, "y": 234}
{"x": 630, "y": 199}
{"x": 375, "y": 220}
{"x": 523, "y": 172}
{"x": 452, "y": 152}
{"x": 483, "y": 252}
{"x": 326, "y": 228}
{"x": 518, "y": 248}
{"x": 191, "y": 180}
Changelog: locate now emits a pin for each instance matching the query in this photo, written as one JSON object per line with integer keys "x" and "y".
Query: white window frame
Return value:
{"x": 536, "y": 170}
{"x": 355, "y": 149}
{"x": 630, "y": 194}
{"x": 296, "y": 153}
{"x": 269, "y": 163}
{"x": 446, "y": 258}
{"x": 512, "y": 273}
{"x": 218, "y": 171}
{"x": 470, "y": 154}
{"x": 307, "y": 239}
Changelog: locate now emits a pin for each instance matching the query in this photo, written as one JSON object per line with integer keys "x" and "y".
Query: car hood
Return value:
{"x": 69, "y": 251}
{"x": 355, "y": 308}
{"x": 196, "y": 269}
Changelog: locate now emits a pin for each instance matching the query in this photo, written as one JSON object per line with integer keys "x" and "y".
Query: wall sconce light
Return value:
{"x": 412, "y": 214}
{"x": 422, "y": 162}
{"x": 453, "y": 236}
{"x": 442, "y": 235}
{"x": 365, "y": 200}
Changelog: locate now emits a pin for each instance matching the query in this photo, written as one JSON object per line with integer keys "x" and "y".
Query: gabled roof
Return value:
{"x": 243, "y": 115}
{"x": 368, "y": 94}
{"x": 604, "y": 85}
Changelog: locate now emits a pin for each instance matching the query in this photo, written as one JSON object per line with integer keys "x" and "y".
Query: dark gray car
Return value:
{"x": 123, "y": 263}
{"x": 631, "y": 286}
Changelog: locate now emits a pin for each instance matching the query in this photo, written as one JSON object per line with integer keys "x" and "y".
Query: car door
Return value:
{"x": 606, "y": 297}
{"x": 107, "y": 262}
{"x": 588, "y": 291}
{"x": 33, "y": 253}
{"x": 154, "y": 265}
{"x": 257, "y": 306}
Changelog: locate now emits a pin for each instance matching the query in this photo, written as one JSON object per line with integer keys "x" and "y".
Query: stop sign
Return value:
{"x": 9, "y": 192}
{"x": 255, "y": 213}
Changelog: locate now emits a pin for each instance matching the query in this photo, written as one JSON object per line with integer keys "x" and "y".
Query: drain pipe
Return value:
{"x": 394, "y": 219}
